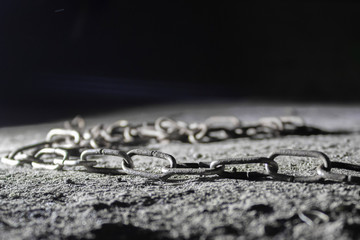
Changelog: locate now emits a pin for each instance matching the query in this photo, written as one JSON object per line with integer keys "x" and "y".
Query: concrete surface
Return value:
{"x": 37, "y": 204}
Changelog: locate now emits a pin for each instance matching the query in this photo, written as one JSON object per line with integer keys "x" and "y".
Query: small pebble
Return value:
{"x": 272, "y": 230}
{"x": 69, "y": 181}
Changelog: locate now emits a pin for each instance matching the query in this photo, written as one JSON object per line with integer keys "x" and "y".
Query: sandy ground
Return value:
{"x": 37, "y": 204}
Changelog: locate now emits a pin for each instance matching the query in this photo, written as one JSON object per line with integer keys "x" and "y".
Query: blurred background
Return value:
{"x": 61, "y": 58}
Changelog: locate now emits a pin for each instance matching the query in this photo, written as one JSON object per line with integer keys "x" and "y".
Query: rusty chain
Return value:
{"x": 77, "y": 148}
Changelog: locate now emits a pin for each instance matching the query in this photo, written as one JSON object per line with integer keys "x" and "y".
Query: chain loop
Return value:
{"x": 201, "y": 169}
{"x": 326, "y": 173}
{"x": 52, "y": 165}
{"x": 149, "y": 153}
{"x": 297, "y": 153}
{"x": 63, "y": 133}
{"x": 106, "y": 152}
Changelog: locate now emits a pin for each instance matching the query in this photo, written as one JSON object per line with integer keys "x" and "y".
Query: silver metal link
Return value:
{"x": 326, "y": 173}
{"x": 106, "y": 152}
{"x": 297, "y": 153}
{"x": 243, "y": 160}
{"x": 149, "y": 153}
{"x": 50, "y": 165}
{"x": 63, "y": 133}
{"x": 193, "y": 169}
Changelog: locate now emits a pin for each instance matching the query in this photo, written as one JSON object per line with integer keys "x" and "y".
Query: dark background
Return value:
{"x": 60, "y": 58}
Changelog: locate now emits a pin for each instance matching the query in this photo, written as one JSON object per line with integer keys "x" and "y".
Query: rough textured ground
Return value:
{"x": 38, "y": 204}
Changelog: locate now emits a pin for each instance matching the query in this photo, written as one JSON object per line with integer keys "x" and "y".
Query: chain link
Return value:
{"x": 77, "y": 148}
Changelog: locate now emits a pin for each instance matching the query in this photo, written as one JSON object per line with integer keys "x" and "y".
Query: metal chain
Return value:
{"x": 77, "y": 148}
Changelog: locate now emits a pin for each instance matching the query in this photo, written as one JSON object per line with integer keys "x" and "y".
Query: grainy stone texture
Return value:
{"x": 37, "y": 204}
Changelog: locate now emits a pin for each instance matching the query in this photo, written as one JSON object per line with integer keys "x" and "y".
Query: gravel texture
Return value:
{"x": 40, "y": 204}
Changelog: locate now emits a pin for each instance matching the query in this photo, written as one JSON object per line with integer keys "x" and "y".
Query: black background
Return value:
{"x": 60, "y": 58}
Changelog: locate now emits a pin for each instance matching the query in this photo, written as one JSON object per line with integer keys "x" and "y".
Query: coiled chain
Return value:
{"x": 74, "y": 147}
